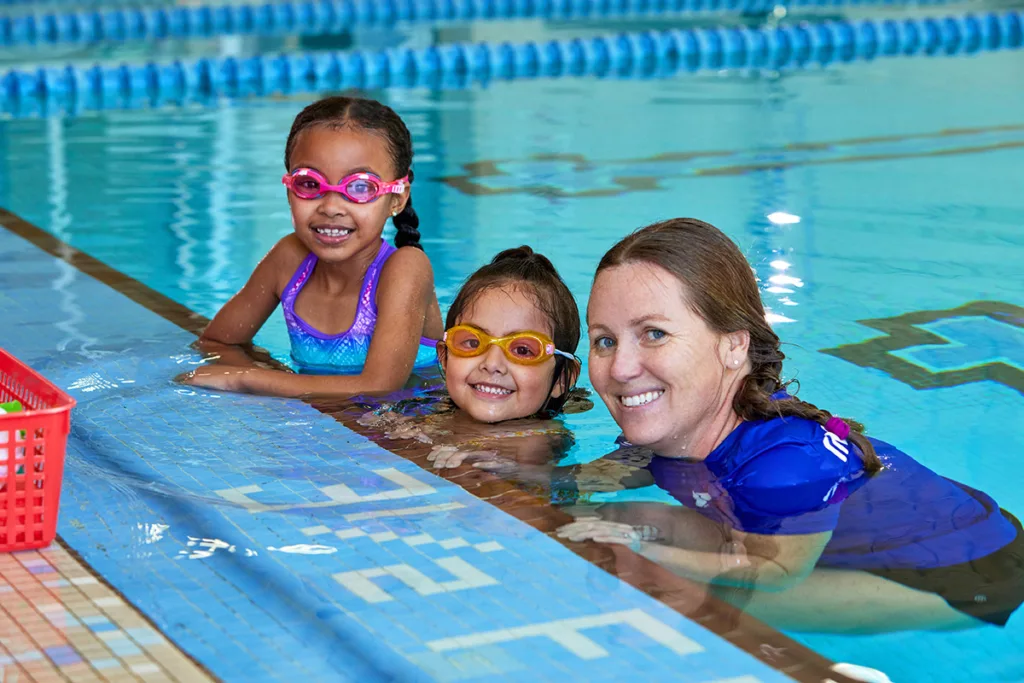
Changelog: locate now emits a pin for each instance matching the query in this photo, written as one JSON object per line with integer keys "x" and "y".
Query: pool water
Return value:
{"x": 862, "y": 192}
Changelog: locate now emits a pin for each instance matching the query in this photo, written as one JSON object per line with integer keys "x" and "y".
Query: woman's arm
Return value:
{"x": 767, "y": 563}
{"x": 405, "y": 290}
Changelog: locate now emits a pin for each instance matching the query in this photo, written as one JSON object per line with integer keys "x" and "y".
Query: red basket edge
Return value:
{"x": 64, "y": 404}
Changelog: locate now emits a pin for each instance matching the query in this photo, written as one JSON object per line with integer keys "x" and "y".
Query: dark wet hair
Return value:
{"x": 523, "y": 267}
{"x": 377, "y": 118}
{"x": 723, "y": 291}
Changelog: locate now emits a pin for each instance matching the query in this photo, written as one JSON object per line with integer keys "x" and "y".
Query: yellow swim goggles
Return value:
{"x": 524, "y": 348}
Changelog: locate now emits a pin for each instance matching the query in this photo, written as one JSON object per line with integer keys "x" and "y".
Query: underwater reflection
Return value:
{"x": 429, "y": 418}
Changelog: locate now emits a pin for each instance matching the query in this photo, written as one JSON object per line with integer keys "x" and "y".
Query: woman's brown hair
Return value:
{"x": 723, "y": 291}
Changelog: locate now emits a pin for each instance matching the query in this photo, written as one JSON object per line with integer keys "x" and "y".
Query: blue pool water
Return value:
{"x": 908, "y": 200}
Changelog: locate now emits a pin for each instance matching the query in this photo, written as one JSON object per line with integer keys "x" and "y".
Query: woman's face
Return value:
{"x": 662, "y": 372}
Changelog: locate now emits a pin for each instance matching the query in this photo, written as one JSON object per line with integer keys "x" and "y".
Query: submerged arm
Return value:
{"x": 768, "y": 563}
{"x": 693, "y": 546}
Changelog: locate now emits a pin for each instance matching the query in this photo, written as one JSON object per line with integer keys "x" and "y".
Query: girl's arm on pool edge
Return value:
{"x": 404, "y": 293}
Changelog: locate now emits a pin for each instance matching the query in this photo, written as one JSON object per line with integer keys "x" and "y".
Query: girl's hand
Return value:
{"x": 450, "y": 457}
{"x": 406, "y": 428}
{"x": 217, "y": 377}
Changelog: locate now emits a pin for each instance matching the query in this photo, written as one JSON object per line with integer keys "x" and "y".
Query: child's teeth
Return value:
{"x": 640, "y": 399}
{"x": 333, "y": 232}
{"x": 493, "y": 390}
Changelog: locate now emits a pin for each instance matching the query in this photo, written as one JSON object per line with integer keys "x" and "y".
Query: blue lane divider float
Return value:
{"x": 314, "y": 17}
{"x": 82, "y": 3}
{"x": 628, "y": 55}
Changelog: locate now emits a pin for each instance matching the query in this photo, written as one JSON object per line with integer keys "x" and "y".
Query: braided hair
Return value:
{"x": 724, "y": 293}
{"x": 370, "y": 115}
{"x": 523, "y": 267}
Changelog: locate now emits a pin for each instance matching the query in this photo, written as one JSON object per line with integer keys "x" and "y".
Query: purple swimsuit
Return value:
{"x": 343, "y": 353}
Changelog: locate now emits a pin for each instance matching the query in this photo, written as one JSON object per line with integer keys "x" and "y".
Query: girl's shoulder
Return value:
{"x": 407, "y": 263}
{"x": 284, "y": 258}
{"x": 289, "y": 249}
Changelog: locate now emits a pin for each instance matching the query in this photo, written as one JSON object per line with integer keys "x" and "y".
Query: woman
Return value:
{"x": 794, "y": 513}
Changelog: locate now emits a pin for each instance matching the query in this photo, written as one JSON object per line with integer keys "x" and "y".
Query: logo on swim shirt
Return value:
{"x": 838, "y": 447}
{"x": 701, "y": 499}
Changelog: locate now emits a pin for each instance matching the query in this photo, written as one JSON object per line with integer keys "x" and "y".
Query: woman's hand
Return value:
{"x": 601, "y": 531}
{"x": 731, "y": 555}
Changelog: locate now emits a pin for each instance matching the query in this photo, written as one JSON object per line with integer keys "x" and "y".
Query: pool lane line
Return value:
{"x": 486, "y": 167}
{"x": 633, "y": 55}
{"x": 649, "y": 183}
{"x": 756, "y": 638}
{"x": 116, "y": 25}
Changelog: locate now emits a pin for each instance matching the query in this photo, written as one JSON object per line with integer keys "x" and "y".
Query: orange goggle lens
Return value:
{"x": 525, "y": 348}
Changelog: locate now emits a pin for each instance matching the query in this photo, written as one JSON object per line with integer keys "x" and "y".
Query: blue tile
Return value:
{"x": 104, "y": 663}
{"x": 62, "y": 655}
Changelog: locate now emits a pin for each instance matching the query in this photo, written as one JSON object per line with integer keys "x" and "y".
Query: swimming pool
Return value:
{"x": 862, "y": 192}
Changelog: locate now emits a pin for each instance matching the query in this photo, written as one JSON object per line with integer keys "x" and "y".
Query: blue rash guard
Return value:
{"x": 905, "y": 523}
{"x": 791, "y": 476}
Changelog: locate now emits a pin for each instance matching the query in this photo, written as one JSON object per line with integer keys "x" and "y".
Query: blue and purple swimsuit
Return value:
{"x": 345, "y": 353}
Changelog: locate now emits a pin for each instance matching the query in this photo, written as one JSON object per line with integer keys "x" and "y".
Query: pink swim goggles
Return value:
{"x": 360, "y": 188}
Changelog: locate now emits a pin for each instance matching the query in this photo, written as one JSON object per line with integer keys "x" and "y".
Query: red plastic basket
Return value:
{"x": 32, "y": 446}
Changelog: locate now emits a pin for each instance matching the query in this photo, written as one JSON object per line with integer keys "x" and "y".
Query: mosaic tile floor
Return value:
{"x": 58, "y": 622}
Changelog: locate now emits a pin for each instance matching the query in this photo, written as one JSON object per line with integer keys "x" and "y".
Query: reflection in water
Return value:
{"x": 60, "y": 220}
{"x": 455, "y": 438}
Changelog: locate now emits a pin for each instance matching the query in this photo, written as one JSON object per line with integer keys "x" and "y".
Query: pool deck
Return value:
{"x": 326, "y": 556}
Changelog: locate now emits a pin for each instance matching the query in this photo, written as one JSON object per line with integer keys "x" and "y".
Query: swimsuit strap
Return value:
{"x": 368, "y": 298}
{"x": 297, "y": 282}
